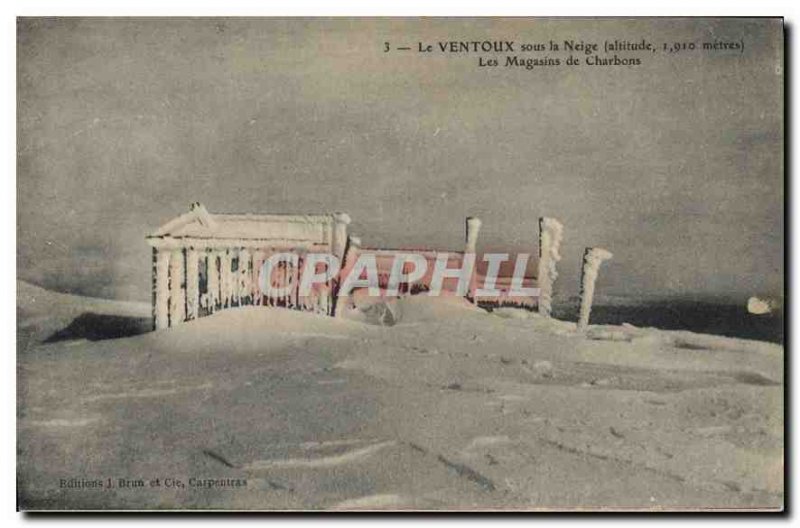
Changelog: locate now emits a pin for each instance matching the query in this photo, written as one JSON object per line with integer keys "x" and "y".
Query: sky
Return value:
{"x": 675, "y": 165}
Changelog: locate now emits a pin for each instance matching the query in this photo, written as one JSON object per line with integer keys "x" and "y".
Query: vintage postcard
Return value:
{"x": 428, "y": 264}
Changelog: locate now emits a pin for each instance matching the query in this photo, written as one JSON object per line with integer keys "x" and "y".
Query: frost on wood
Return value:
{"x": 473, "y": 228}
{"x": 225, "y": 279}
{"x": 259, "y": 256}
{"x": 339, "y": 235}
{"x": 350, "y": 258}
{"x": 550, "y": 234}
{"x": 161, "y": 286}
{"x": 244, "y": 279}
{"x": 592, "y": 259}
{"x": 212, "y": 280}
{"x": 177, "y": 298}
{"x": 192, "y": 285}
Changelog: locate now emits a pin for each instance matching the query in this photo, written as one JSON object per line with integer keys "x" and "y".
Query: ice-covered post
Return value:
{"x": 550, "y": 233}
{"x": 177, "y": 298}
{"x": 212, "y": 272}
{"x": 339, "y": 235}
{"x": 350, "y": 258}
{"x": 233, "y": 281}
{"x": 161, "y": 293}
{"x": 256, "y": 258}
{"x": 245, "y": 280}
{"x": 259, "y": 256}
{"x": 473, "y": 228}
{"x": 192, "y": 284}
{"x": 225, "y": 279}
{"x": 592, "y": 259}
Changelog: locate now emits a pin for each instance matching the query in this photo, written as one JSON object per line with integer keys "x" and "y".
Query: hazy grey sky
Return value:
{"x": 676, "y": 166}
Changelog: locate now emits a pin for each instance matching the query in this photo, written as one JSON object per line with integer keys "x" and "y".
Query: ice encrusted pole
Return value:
{"x": 550, "y": 234}
{"x": 592, "y": 259}
{"x": 473, "y": 228}
{"x": 161, "y": 297}
{"x": 350, "y": 257}
{"x": 339, "y": 238}
{"x": 470, "y": 245}
{"x": 192, "y": 284}
{"x": 177, "y": 294}
{"x": 225, "y": 279}
{"x": 213, "y": 280}
{"x": 245, "y": 279}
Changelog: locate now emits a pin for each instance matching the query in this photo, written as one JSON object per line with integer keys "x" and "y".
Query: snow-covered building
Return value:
{"x": 205, "y": 262}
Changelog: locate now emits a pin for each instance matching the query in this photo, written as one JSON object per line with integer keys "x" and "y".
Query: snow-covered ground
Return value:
{"x": 452, "y": 407}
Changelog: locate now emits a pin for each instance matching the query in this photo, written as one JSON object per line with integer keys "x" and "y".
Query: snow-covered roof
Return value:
{"x": 198, "y": 223}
